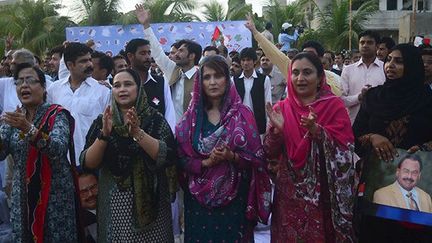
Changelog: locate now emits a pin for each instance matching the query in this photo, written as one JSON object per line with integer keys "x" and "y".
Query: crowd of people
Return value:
{"x": 205, "y": 145}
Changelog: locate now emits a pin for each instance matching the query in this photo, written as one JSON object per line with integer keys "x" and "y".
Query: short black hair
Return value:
{"x": 223, "y": 50}
{"x": 235, "y": 59}
{"x": 414, "y": 157}
{"x": 87, "y": 172}
{"x": 193, "y": 48}
{"x": 426, "y": 52}
{"x": 268, "y": 26}
{"x": 248, "y": 52}
{"x": 389, "y": 42}
{"x": 57, "y": 49}
{"x": 175, "y": 44}
{"x": 117, "y": 57}
{"x": 133, "y": 45}
{"x": 211, "y": 48}
{"x": 372, "y": 34}
{"x": 38, "y": 60}
{"x": 74, "y": 50}
{"x": 105, "y": 61}
{"x": 315, "y": 45}
{"x": 425, "y": 49}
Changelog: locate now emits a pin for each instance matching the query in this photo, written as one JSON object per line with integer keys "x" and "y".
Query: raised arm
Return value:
{"x": 165, "y": 64}
{"x": 271, "y": 51}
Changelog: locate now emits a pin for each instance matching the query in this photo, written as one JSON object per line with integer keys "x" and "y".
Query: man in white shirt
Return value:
{"x": 79, "y": 93}
{"x": 277, "y": 80}
{"x": 157, "y": 89}
{"x": 254, "y": 88}
{"x": 358, "y": 77}
{"x": 181, "y": 71}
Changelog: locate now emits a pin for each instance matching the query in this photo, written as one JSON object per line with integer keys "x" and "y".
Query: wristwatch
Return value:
{"x": 102, "y": 137}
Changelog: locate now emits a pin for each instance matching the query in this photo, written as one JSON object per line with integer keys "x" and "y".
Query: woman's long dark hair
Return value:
{"x": 219, "y": 64}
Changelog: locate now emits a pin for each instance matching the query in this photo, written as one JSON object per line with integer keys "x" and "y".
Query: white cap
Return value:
{"x": 286, "y": 25}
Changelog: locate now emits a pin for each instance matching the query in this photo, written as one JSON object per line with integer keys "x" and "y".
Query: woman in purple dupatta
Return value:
{"x": 227, "y": 188}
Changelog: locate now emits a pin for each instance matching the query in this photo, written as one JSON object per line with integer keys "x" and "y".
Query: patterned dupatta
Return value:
{"x": 218, "y": 186}
{"x": 39, "y": 174}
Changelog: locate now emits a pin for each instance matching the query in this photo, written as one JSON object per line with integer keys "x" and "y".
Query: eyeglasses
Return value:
{"x": 91, "y": 188}
{"x": 29, "y": 81}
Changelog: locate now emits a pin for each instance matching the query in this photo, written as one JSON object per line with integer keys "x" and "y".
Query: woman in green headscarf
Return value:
{"x": 133, "y": 146}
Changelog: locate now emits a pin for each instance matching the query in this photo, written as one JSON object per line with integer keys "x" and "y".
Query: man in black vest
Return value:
{"x": 254, "y": 88}
{"x": 158, "y": 91}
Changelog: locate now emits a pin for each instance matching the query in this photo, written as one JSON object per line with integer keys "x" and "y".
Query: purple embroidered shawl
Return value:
{"x": 218, "y": 186}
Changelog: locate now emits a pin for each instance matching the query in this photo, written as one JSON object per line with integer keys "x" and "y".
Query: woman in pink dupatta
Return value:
{"x": 310, "y": 136}
{"x": 227, "y": 188}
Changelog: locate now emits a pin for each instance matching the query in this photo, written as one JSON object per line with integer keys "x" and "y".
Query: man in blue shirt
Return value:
{"x": 286, "y": 39}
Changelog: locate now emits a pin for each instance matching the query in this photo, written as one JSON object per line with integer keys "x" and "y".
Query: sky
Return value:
{"x": 128, "y": 5}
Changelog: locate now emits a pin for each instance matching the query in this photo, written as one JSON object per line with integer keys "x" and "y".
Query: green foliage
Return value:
{"x": 98, "y": 12}
{"x": 237, "y": 10}
{"x": 292, "y": 13}
{"x": 333, "y": 30}
{"x": 214, "y": 11}
{"x": 36, "y": 25}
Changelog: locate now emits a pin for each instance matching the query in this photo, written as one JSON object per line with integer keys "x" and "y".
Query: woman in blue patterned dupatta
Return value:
{"x": 38, "y": 136}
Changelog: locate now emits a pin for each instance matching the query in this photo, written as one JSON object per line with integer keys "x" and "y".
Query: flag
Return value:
{"x": 216, "y": 34}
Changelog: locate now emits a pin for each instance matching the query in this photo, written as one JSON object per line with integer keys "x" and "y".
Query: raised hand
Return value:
{"x": 18, "y": 120}
{"x": 309, "y": 122}
{"x": 132, "y": 121}
{"x": 107, "y": 122}
{"x": 276, "y": 118}
{"x": 250, "y": 25}
{"x": 143, "y": 15}
{"x": 383, "y": 147}
{"x": 9, "y": 42}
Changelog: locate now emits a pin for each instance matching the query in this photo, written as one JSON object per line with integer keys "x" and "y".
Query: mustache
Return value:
{"x": 408, "y": 180}
{"x": 91, "y": 198}
{"x": 88, "y": 70}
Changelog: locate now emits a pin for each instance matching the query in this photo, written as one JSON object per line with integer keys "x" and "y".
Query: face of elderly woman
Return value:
{"x": 125, "y": 90}
{"x": 214, "y": 83}
{"x": 394, "y": 67}
{"x": 29, "y": 89}
{"x": 305, "y": 79}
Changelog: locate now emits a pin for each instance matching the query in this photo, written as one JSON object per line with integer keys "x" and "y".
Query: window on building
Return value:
{"x": 391, "y": 4}
{"x": 407, "y": 5}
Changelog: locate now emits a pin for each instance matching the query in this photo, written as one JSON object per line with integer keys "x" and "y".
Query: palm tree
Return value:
{"x": 36, "y": 25}
{"x": 334, "y": 23}
{"x": 277, "y": 14}
{"x": 214, "y": 11}
{"x": 98, "y": 12}
{"x": 237, "y": 10}
{"x": 164, "y": 11}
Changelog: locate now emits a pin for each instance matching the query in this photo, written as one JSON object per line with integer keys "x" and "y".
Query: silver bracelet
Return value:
{"x": 31, "y": 132}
